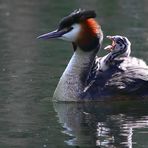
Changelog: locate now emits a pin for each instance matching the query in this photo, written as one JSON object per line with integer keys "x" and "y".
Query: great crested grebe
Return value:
{"x": 120, "y": 49}
{"x": 82, "y": 80}
{"x": 120, "y": 45}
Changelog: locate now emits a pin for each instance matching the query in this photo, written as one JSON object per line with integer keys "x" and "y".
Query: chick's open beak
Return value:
{"x": 112, "y": 46}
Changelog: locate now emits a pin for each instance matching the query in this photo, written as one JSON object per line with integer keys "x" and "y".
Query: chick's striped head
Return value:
{"x": 120, "y": 45}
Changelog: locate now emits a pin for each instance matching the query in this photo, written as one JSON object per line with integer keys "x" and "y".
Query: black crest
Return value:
{"x": 76, "y": 17}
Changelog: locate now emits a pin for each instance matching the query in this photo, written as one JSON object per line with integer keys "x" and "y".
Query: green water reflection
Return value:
{"x": 104, "y": 124}
{"x": 30, "y": 70}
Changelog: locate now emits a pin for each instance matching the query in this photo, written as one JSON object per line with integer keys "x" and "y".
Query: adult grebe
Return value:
{"x": 82, "y": 80}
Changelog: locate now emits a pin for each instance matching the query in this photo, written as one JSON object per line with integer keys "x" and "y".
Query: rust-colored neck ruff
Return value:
{"x": 90, "y": 35}
{"x": 92, "y": 27}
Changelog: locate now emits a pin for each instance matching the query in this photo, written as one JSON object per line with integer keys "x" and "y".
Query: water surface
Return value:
{"x": 30, "y": 70}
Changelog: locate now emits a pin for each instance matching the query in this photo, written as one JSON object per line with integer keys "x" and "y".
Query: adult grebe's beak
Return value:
{"x": 54, "y": 34}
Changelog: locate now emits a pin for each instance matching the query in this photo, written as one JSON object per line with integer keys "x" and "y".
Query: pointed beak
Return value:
{"x": 52, "y": 35}
{"x": 109, "y": 37}
{"x": 112, "y": 46}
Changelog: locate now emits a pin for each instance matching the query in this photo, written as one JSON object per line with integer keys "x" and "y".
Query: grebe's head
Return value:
{"x": 120, "y": 45}
{"x": 80, "y": 28}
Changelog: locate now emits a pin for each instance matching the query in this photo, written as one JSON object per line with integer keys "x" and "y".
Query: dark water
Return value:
{"x": 30, "y": 69}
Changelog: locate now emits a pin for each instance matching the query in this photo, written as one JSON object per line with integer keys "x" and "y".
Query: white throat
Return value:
{"x": 72, "y": 35}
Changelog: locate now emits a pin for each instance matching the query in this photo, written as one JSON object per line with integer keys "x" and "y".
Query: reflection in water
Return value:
{"x": 103, "y": 124}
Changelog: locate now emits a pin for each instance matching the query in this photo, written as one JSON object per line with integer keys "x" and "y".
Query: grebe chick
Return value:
{"x": 120, "y": 51}
{"x": 82, "y": 79}
{"x": 120, "y": 47}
